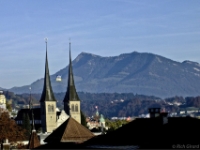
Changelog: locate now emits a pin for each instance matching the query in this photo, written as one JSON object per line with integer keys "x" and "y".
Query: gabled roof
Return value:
{"x": 71, "y": 94}
{"x": 70, "y": 131}
{"x": 47, "y": 93}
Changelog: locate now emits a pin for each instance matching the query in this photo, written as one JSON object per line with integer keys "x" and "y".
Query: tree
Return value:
{"x": 83, "y": 119}
{"x": 26, "y": 124}
{"x": 9, "y": 129}
{"x": 39, "y": 130}
{"x": 113, "y": 125}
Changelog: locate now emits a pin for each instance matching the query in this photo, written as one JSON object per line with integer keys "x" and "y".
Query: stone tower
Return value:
{"x": 71, "y": 100}
{"x": 48, "y": 102}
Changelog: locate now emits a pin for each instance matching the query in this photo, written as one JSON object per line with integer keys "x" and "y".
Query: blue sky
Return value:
{"x": 170, "y": 28}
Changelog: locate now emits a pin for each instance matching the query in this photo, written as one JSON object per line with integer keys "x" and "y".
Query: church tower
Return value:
{"x": 48, "y": 102}
{"x": 71, "y": 100}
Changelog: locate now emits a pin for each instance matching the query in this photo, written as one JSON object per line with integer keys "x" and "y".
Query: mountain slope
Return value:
{"x": 141, "y": 73}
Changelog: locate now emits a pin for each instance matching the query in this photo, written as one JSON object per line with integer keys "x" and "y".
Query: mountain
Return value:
{"x": 141, "y": 73}
{"x": 2, "y": 88}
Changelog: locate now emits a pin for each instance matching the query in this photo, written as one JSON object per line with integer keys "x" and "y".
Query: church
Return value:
{"x": 47, "y": 116}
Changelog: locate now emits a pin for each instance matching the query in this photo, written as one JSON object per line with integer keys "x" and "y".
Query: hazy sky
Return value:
{"x": 170, "y": 28}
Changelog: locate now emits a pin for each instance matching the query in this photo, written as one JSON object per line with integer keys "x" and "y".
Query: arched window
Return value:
{"x": 52, "y": 108}
{"x": 72, "y": 107}
{"x": 76, "y": 108}
{"x": 49, "y": 108}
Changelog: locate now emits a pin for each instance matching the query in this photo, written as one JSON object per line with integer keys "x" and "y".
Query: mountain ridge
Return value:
{"x": 141, "y": 73}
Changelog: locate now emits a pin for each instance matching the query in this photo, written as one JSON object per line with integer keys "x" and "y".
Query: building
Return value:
{"x": 57, "y": 126}
{"x": 97, "y": 121}
{"x": 48, "y": 102}
{"x": 157, "y": 132}
{"x": 71, "y": 100}
{"x": 61, "y": 116}
{"x": 2, "y": 100}
{"x": 70, "y": 131}
{"x": 69, "y": 134}
{"x": 49, "y": 118}
{"x": 37, "y": 117}
{"x": 46, "y": 115}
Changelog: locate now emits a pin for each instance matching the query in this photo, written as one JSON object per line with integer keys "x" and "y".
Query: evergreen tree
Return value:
{"x": 83, "y": 119}
{"x": 26, "y": 124}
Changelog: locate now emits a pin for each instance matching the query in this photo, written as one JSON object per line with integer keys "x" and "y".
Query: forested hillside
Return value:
{"x": 113, "y": 104}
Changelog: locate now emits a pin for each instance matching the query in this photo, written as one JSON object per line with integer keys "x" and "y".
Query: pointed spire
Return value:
{"x": 30, "y": 99}
{"x": 71, "y": 94}
{"x": 47, "y": 93}
{"x": 31, "y": 109}
{"x": 33, "y": 140}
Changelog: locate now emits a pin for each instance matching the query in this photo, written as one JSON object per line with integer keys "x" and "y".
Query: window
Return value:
{"x": 72, "y": 107}
{"x": 50, "y": 108}
{"x": 76, "y": 108}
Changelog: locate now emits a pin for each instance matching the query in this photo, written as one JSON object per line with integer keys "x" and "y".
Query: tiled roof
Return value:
{"x": 33, "y": 141}
{"x": 70, "y": 131}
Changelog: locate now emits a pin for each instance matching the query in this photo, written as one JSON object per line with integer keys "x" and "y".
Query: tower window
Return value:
{"x": 72, "y": 107}
{"x": 76, "y": 108}
{"x": 50, "y": 108}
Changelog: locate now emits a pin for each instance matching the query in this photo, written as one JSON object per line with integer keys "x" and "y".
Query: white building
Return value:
{"x": 2, "y": 100}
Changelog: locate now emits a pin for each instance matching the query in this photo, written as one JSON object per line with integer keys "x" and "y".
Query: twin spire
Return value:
{"x": 47, "y": 94}
{"x": 71, "y": 94}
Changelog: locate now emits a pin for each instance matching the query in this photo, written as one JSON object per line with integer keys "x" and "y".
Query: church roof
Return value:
{"x": 21, "y": 112}
{"x": 70, "y": 131}
{"x": 34, "y": 140}
{"x": 71, "y": 94}
{"x": 47, "y": 93}
{"x": 36, "y": 111}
